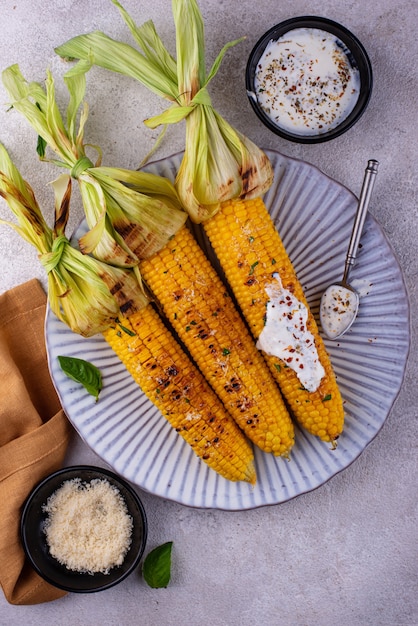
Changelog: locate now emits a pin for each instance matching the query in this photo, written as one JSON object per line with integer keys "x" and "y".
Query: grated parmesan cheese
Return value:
{"x": 88, "y": 528}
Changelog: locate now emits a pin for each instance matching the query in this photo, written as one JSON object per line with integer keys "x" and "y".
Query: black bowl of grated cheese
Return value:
{"x": 309, "y": 79}
{"x": 83, "y": 529}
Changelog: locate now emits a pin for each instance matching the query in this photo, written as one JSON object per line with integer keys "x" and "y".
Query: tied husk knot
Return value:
{"x": 50, "y": 260}
{"x": 81, "y": 166}
{"x": 178, "y": 111}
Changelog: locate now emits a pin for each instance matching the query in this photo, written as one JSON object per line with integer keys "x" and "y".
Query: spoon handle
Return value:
{"x": 363, "y": 205}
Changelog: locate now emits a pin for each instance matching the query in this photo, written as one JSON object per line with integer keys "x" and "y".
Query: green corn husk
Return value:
{"x": 131, "y": 214}
{"x": 86, "y": 294}
{"x": 219, "y": 162}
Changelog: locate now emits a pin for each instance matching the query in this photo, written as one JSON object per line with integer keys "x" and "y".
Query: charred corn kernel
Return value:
{"x": 250, "y": 252}
{"x": 196, "y": 303}
{"x": 177, "y": 388}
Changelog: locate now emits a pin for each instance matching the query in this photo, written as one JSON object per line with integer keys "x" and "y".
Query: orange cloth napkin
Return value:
{"x": 34, "y": 433}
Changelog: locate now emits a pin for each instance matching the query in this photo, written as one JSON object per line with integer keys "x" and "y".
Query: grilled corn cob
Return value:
{"x": 196, "y": 303}
{"x": 251, "y": 252}
{"x": 170, "y": 380}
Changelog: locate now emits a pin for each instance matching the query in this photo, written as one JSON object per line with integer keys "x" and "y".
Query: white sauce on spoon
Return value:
{"x": 305, "y": 83}
{"x": 286, "y": 336}
{"x": 338, "y": 310}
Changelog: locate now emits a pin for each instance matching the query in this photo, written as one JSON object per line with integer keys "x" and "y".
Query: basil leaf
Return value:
{"x": 82, "y": 372}
{"x": 157, "y": 566}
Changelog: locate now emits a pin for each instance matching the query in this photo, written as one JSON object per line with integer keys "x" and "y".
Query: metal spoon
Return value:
{"x": 340, "y": 301}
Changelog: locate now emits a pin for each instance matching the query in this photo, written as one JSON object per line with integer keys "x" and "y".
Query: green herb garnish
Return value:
{"x": 82, "y": 372}
{"x": 128, "y": 331}
{"x": 252, "y": 268}
{"x": 157, "y": 566}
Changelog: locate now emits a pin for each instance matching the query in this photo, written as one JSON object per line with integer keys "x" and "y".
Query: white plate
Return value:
{"x": 314, "y": 215}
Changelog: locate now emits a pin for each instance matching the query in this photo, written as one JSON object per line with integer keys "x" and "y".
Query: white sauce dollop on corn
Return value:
{"x": 286, "y": 336}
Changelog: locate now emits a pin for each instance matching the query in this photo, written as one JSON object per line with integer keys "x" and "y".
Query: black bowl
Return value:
{"x": 356, "y": 56}
{"x": 34, "y": 539}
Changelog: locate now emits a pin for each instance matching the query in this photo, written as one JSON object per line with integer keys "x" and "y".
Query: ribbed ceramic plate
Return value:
{"x": 314, "y": 215}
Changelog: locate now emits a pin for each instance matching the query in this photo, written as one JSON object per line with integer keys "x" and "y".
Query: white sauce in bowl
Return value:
{"x": 305, "y": 83}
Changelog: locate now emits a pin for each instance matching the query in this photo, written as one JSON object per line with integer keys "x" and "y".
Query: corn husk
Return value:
{"x": 131, "y": 215}
{"x": 219, "y": 163}
{"x": 86, "y": 294}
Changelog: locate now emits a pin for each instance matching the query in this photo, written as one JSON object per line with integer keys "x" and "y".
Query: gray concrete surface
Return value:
{"x": 346, "y": 553}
